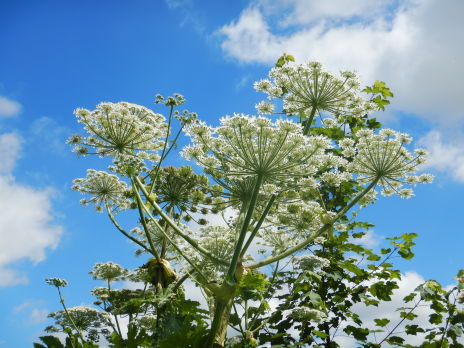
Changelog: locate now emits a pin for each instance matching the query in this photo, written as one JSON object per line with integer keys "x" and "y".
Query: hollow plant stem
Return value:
{"x": 243, "y": 231}
{"x": 176, "y": 228}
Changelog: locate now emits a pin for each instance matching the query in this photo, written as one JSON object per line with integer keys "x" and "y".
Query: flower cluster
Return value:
{"x": 120, "y": 128}
{"x": 305, "y": 313}
{"x": 312, "y": 262}
{"x": 174, "y": 100}
{"x": 108, "y": 271}
{"x": 384, "y": 157}
{"x": 299, "y": 216}
{"x": 101, "y": 293}
{"x": 84, "y": 318}
{"x": 245, "y": 146}
{"x": 277, "y": 239}
{"x": 58, "y": 282}
{"x": 104, "y": 188}
{"x": 307, "y": 89}
{"x": 184, "y": 192}
{"x": 218, "y": 241}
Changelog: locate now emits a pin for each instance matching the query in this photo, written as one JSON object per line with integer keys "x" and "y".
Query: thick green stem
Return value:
{"x": 320, "y": 232}
{"x": 258, "y": 226}
{"x": 176, "y": 228}
{"x": 115, "y": 315}
{"x": 220, "y": 322}
{"x": 309, "y": 121}
{"x": 195, "y": 267}
{"x": 164, "y": 149}
{"x": 243, "y": 231}
{"x": 145, "y": 227}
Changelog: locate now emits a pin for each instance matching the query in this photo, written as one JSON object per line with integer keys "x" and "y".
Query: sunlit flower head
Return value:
{"x": 119, "y": 128}
{"x": 104, "y": 189}
{"x": 108, "y": 271}
{"x": 308, "y": 89}
{"x": 312, "y": 262}
{"x": 58, "y": 282}
{"x": 384, "y": 157}
{"x": 219, "y": 241}
{"x": 307, "y": 314}
{"x": 245, "y": 146}
{"x": 83, "y": 318}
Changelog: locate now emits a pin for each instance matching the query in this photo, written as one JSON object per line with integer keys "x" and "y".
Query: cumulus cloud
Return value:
{"x": 26, "y": 214}
{"x": 9, "y": 107}
{"x": 410, "y": 44}
{"x": 444, "y": 156}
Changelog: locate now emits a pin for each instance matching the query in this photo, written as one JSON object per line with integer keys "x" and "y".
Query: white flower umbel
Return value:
{"x": 312, "y": 262}
{"x": 81, "y": 317}
{"x": 104, "y": 189}
{"x": 308, "y": 89}
{"x": 308, "y": 314}
{"x": 58, "y": 282}
{"x": 108, "y": 271}
{"x": 120, "y": 128}
{"x": 218, "y": 241}
{"x": 385, "y": 158}
{"x": 245, "y": 146}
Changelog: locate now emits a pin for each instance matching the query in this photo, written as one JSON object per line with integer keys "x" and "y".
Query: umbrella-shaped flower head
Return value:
{"x": 120, "y": 129}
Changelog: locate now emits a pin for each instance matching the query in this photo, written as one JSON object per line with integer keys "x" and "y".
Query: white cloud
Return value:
{"x": 370, "y": 239}
{"x": 9, "y": 145}
{"x": 38, "y": 315}
{"x": 414, "y": 49}
{"x": 189, "y": 15}
{"x": 49, "y": 135}
{"x": 301, "y": 12}
{"x": 444, "y": 156}
{"x": 26, "y": 214}
{"x": 9, "y": 107}
{"x": 195, "y": 293}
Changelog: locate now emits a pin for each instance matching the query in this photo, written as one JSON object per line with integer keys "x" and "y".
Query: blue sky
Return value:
{"x": 56, "y": 56}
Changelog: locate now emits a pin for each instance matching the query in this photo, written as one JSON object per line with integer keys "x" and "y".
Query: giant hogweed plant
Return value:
{"x": 274, "y": 174}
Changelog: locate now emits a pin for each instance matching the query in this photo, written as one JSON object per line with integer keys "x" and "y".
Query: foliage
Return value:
{"x": 288, "y": 184}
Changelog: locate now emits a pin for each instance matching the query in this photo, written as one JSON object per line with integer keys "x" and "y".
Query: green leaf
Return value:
{"x": 320, "y": 334}
{"x": 413, "y": 329}
{"x": 395, "y": 340}
{"x": 408, "y": 315}
{"x": 51, "y": 341}
{"x": 359, "y": 334}
{"x": 435, "y": 318}
{"x": 409, "y": 297}
{"x": 314, "y": 298}
{"x": 373, "y": 124}
{"x": 381, "y": 322}
{"x": 385, "y": 251}
{"x": 352, "y": 268}
{"x": 374, "y": 257}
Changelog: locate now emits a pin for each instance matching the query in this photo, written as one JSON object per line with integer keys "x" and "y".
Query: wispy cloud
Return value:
{"x": 189, "y": 16}
{"x": 48, "y": 134}
{"x": 38, "y": 316}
